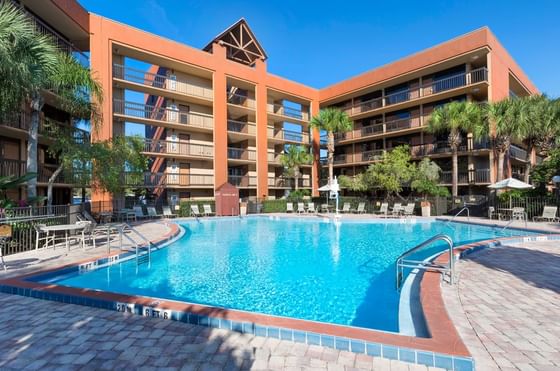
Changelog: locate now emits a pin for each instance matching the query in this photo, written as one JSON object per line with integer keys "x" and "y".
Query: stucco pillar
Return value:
{"x": 316, "y": 145}
{"x": 262, "y": 137}
{"x": 220, "y": 120}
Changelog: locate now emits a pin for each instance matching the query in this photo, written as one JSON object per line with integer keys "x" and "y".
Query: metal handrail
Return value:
{"x": 133, "y": 230}
{"x": 460, "y": 211}
{"x": 525, "y": 215}
{"x": 402, "y": 263}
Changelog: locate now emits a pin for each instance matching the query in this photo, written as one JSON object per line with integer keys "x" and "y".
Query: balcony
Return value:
{"x": 288, "y": 183}
{"x": 274, "y": 158}
{"x": 243, "y": 181}
{"x": 358, "y": 157}
{"x": 443, "y": 148}
{"x": 283, "y": 135}
{"x": 44, "y": 171}
{"x": 175, "y": 149}
{"x": 391, "y": 126}
{"x": 425, "y": 90}
{"x": 60, "y": 41}
{"x": 517, "y": 153}
{"x": 287, "y": 113}
{"x": 478, "y": 176}
{"x": 154, "y": 180}
{"x": 241, "y": 100}
{"x": 153, "y": 115}
{"x": 47, "y": 126}
{"x": 162, "y": 83}
{"x": 242, "y": 155}
{"x": 242, "y": 128}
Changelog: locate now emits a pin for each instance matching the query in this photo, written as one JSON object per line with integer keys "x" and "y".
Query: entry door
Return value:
{"x": 173, "y": 177}
{"x": 172, "y": 146}
{"x": 184, "y": 144}
{"x": 172, "y": 82}
{"x": 172, "y": 112}
{"x": 184, "y": 171}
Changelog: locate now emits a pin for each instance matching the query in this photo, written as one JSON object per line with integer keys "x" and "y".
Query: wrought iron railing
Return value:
{"x": 177, "y": 148}
{"x": 152, "y": 180}
{"x": 241, "y": 127}
{"x": 242, "y": 154}
{"x": 243, "y": 181}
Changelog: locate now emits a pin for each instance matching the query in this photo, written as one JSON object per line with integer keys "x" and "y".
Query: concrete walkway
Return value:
{"x": 506, "y": 306}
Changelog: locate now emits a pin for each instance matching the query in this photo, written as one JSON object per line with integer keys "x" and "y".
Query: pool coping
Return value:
{"x": 444, "y": 348}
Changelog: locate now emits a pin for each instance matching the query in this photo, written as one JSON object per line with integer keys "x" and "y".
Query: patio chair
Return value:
{"x": 548, "y": 215}
{"x": 345, "y": 208}
{"x": 289, "y": 207}
{"x": 139, "y": 213}
{"x": 325, "y": 208}
{"x": 408, "y": 210}
{"x": 493, "y": 214}
{"x": 361, "y": 208}
{"x": 397, "y": 209}
{"x": 5, "y": 235}
{"x": 383, "y": 210}
{"x": 207, "y": 210}
{"x": 152, "y": 213}
{"x": 311, "y": 207}
{"x": 167, "y": 213}
{"x": 518, "y": 213}
{"x": 300, "y": 208}
{"x": 195, "y": 210}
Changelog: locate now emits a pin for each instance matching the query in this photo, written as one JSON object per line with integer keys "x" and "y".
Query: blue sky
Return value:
{"x": 322, "y": 42}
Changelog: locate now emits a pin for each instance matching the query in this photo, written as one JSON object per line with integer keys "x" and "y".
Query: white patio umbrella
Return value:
{"x": 510, "y": 183}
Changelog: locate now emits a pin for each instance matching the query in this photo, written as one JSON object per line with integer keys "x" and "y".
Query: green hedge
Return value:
{"x": 185, "y": 206}
{"x": 274, "y": 206}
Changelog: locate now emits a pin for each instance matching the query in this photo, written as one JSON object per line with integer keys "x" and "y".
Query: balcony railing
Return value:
{"x": 152, "y": 180}
{"x": 242, "y": 154}
{"x": 241, "y": 100}
{"x": 60, "y": 41}
{"x": 178, "y": 148}
{"x": 443, "y": 147}
{"x": 517, "y": 153}
{"x": 288, "y": 135}
{"x": 478, "y": 176}
{"x": 44, "y": 171}
{"x": 283, "y": 182}
{"x": 273, "y": 157}
{"x": 427, "y": 89}
{"x": 290, "y": 112}
{"x": 47, "y": 126}
{"x": 175, "y": 116}
{"x": 243, "y": 181}
{"x": 380, "y": 128}
{"x": 241, "y": 127}
{"x": 165, "y": 82}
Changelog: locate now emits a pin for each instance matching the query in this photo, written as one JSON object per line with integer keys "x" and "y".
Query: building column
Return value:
{"x": 316, "y": 146}
{"x": 262, "y": 131}
{"x": 220, "y": 121}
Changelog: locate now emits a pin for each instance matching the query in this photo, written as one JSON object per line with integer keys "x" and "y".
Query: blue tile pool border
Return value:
{"x": 405, "y": 354}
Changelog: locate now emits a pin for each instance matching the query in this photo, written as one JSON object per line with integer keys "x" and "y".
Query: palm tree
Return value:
{"x": 332, "y": 120}
{"x": 292, "y": 159}
{"x": 30, "y": 63}
{"x": 502, "y": 126}
{"x": 454, "y": 118}
{"x": 539, "y": 125}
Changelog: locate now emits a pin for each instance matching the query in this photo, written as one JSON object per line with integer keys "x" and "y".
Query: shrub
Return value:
{"x": 274, "y": 206}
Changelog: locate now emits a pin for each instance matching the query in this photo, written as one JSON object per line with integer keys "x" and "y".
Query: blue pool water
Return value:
{"x": 300, "y": 268}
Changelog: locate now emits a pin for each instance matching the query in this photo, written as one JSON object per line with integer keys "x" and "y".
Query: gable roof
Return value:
{"x": 241, "y": 44}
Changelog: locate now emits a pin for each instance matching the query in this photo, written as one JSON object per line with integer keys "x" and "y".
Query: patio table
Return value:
{"x": 66, "y": 228}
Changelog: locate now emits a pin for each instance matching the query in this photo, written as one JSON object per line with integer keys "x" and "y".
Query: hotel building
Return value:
{"x": 215, "y": 115}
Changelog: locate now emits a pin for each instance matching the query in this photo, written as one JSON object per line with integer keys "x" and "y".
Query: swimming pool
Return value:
{"x": 304, "y": 268}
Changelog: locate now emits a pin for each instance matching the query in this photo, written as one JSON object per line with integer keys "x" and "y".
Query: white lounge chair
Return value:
{"x": 311, "y": 207}
{"x": 289, "y": 207}
{"x": 493, "y": 214}
{"x": 167, "y": 213}
{"x": 548, "y": 215}
{"x": 195, "y": 210}
{"x": 361, "y": 208}
{"x": 345, "y": 208}
{"x": 207, "y": 210}
{"x": 397, "y": 209}
{"x": 300, "y": 208}
{"x": 518, "y": 213}
{"x": 408, "y": 210}
{"x": 383, "y": 210}
{"x": 152, "y": 213}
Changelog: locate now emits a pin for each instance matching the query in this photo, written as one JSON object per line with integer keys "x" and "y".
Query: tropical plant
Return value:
{"x": 12, "y": 182}
{"x": 31, "y": 63}
{"x": 453, "y": 119}
{"x": 292, "y": 159}
{"x": 425, "y": 179}
{"x": 542, "y": 174}
{"x": 356, "y": 183}
{"x": 333, "y": 121}
{"x": 391, "y": 173}
{"x": 539, "y": 126}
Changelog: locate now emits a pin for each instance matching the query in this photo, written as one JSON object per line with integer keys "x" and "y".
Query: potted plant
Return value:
{"x": 425, "y": 181}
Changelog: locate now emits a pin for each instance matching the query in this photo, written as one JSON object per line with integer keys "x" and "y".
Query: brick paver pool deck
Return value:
{"x": 506, "y": 306}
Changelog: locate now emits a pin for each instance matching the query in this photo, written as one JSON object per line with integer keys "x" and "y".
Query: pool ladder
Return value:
{"x": 140, "y": 258}
{"x": 460, "y": 211}
{"x": 402, "y": 263}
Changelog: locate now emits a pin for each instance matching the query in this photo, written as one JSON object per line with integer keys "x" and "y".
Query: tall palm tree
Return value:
{"x": 332, "y": 120}
{"x": 30, "y": 63}
{"x": 539, "y": 125}
{"x": 502, "y": 127}
{"x": 453, "y": 119}
{"x": 292, "y": 159}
